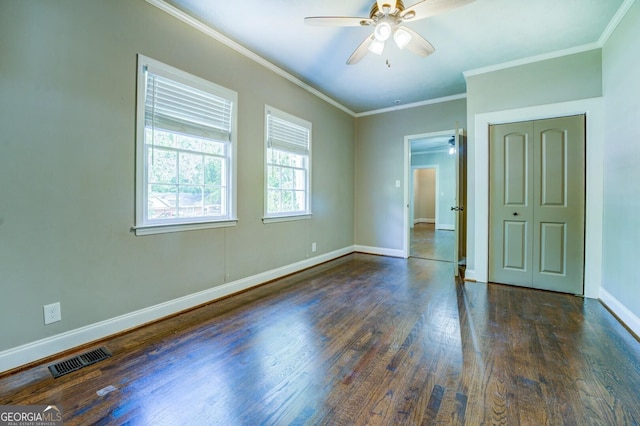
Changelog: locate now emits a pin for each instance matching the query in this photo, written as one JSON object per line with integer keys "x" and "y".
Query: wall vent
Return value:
{"x": 78, "y": 362}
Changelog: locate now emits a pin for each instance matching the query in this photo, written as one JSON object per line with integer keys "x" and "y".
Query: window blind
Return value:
{"x": 176, "y": 107}
{"x": 287, "y": 136}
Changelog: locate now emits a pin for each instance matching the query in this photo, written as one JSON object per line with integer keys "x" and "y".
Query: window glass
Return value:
{"x": 288, "y": 164}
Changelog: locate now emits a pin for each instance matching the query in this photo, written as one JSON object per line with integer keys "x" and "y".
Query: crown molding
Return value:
{"x": 430, "y": 151}
{"x": 610, "y": 28}
{"x": 615, "y": 21}
{"x": 413, "y": 105}
{"x": 204, "y": 28}
{"x": 531, "y": 60}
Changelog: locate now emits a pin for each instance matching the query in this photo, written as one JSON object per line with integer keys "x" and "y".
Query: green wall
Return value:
{"x": 379, "y": 205}
{"x": 67, "y": 102}
{"x": 621, "y": 222}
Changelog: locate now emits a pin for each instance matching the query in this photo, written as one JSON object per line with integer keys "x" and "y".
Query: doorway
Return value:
{"x": 431, "y": 194}
{"x": 431, "y": 238}
{"x": 478, "y": 265}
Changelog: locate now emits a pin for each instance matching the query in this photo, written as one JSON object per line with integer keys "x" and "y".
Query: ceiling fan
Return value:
{"x": 387, "y": 17}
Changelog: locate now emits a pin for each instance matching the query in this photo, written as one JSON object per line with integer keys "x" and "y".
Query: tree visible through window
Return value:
{"x": 288, "y": 152}
{"x": 186, "y": 176}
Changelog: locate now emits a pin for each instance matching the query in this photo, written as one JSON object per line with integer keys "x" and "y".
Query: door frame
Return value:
{"x": 479, "y": 190}
{"x": 408, "y": 178}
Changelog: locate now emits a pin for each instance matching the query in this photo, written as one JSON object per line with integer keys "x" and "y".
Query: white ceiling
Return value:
{"x": 481, "y": 34}
{"x": 430, "y": 143}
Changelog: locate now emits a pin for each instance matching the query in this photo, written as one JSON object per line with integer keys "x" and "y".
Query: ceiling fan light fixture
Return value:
{"x": 387, "y": 16}
{"x": 382, "y": 31}
{"x": 376, "y": 46}
{"x": 402, "y": 38}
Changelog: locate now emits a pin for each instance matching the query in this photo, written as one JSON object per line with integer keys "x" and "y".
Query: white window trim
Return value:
{"x": 162, "y": 229}
{"x": 283, "y": 216}
{"x": 142, "y": 226}
{"x": 275, "y": 219}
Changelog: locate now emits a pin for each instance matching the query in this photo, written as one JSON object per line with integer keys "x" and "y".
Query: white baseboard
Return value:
{"x": 424, "y": 221}
{"x": 621, "y": 311}
{"x": 379, "y": 251}
{"x": 446, "y": 227}
{"x": 30, "y": 352}
{"x": 470, "y": 275}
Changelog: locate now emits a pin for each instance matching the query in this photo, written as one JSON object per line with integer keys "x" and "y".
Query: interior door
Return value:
{"x": 559, "y": 200}
{"x": 460, "y": 252}
{"x": 510, "y": 208}
{"x": 537, "y": 187}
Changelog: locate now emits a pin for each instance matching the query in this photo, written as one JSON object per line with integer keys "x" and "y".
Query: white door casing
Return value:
{"x": 478, "y": 217}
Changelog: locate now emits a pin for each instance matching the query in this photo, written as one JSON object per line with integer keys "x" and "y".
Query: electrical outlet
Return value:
{"x": 52, "y": 313}
{"x": 313, "y": 247}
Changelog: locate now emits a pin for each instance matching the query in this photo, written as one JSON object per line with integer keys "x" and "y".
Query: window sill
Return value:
{"x": 179, "y": 227}
{"x": 275, "y": 219}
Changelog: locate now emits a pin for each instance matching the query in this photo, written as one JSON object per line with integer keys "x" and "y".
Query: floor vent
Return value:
{"x": 78, "y": 362}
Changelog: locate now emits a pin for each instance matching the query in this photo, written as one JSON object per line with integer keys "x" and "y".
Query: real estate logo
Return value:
{"x": 30, "y": 415}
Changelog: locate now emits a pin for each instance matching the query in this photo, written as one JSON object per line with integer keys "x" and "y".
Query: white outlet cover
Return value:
{"x": 52, "y": 313}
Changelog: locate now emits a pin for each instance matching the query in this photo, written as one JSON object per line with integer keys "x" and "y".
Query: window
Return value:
{"x": 288, "y": 166}
{"x": 185, "y": 151}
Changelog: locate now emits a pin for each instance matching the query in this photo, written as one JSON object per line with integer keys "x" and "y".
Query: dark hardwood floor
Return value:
{"x": 360, "y": 340}
{"x": 427, "y": 242}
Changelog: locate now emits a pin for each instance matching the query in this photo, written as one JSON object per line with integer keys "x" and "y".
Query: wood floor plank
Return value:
{"x": 359, "y": 340}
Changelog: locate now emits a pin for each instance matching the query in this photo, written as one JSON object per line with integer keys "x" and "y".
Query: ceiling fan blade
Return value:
{"x": 337, "y": 21}
{"x": 427, "y": 8}
{"x": 418, "y": 44}
{"x": 361, "y": 51}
